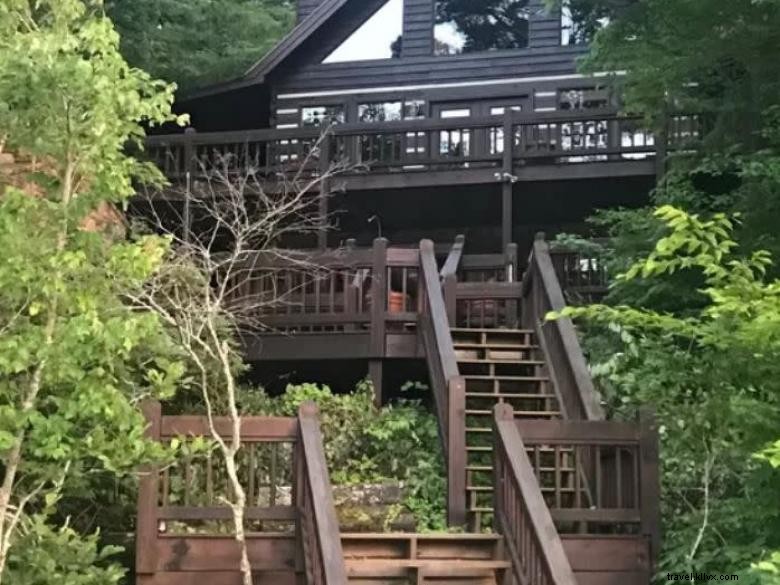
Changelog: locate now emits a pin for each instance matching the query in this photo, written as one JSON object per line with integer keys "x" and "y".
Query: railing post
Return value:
{"x": 451, "y": 298}
{"x": 148, "y": 490}
{"x": 501, "y": 412}
{"x": 510, "y": 262}
{"x": 456, "y": 452}
{"x": 650, "y": 491}
{"x": 378, "y": 298}
{"x": 322, "y": 210}
{"x": 190, "y": 163}
{"x": 507, "y": 179}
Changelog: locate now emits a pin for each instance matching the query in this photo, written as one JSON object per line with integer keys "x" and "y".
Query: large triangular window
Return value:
{"x": 379, "y": 37}
{"x": 468, "y": 26}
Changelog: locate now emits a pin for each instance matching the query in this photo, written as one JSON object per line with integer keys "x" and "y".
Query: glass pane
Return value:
{"x": 414, "y": 109}
{"x": 322, "y": 115}
{"x": 379, "y": 112}
{"x": 379, "y": 37}
{"x": 465, "y": 26}
{"x": 582, "y": 99}
{"x": 456, "y": 113}
{"x": 499, "y": 110}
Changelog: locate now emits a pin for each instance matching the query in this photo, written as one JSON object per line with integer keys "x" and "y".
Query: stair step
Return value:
{"x": 502, "y": 362}
{"x": 524, "y": 395}
{"x": 479, "y": 449}
{"x": 430, "y": 568}
{"x": 506, "y": 378}
{"x": 491, "y": 330}
{"x": 518, "y": 413}
{"x": 489, "y": 345}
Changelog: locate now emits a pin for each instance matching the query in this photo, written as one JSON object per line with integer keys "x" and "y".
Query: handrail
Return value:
{"x": 323, "y": 555}
{"x": 453, "y": 259}
{"x": 521, "y": 514}
{"x": 262, "y": 134}
{"x": 558, "y": 339}
{"x": 448, "y": 385}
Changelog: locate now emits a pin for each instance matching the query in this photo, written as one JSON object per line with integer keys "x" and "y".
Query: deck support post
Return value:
{"x": 322, "y": 204}
{"x": 376, "y": 375}
{"x": 507, "y": 179}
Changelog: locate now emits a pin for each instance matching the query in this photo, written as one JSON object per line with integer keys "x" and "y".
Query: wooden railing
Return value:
{"x": 346, "y": 290}
{"x": 582, "y": 275}
{"x": 490, "y": 267}
{"x": 319, "y": 526}
{"x": 184, "y": 528}
{"x": 493, "y": 305}
{"x": 541, "y": 293}
{"x": 521, "y": 514}
{"x": 597, "y": 476}
{"x": 448, "y": 386}
{"x": 577, "y": 477}
{"x": 549, "y": 138}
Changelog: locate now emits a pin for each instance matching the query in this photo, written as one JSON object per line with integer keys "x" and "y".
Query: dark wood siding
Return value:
{"x": 305, "y": 7}
{"x": 418, "y": 28}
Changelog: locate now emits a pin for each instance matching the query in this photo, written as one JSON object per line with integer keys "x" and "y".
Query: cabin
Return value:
{"x": 462, "y": 133}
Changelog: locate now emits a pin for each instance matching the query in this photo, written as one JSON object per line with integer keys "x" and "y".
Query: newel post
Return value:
{"x": 649, "y": 478}
{"x": 378, "y": 298}
{"x": 148, "y": 491}
{"x": 457, "y": 457}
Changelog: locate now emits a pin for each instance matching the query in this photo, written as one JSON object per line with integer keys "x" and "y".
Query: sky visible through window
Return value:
{"x": 375, "y": 37}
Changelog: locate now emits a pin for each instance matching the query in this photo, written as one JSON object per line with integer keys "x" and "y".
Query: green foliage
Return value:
{"x": 54, "y": 556}
{"x": 365, "y": 444}
{"x": 75, "y": 357}
{"x": 196, "y": 42}
{"x": 713, "y": 374}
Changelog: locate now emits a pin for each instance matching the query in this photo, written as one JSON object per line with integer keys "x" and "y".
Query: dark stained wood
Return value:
{"x": 522, "y": 516}
{"x": 541, "y": 294}
{"x": 452, "y": 263}
{"x": 260, "y": 429}
{"x": 447, "y": 384}
{"x": 651, "y": 483}
{"x": 222, "y": 553}
{"x": 148, "y": 490}
{"x": 320, "y": 528}
{"x": 184, "y": 513}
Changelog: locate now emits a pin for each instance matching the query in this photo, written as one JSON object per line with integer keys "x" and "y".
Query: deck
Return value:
{"x": 514, "y": 147}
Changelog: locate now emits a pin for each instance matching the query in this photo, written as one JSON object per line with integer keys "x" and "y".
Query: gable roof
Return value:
{"x": 295, "y": 38}
{"x": 257, "y": 73}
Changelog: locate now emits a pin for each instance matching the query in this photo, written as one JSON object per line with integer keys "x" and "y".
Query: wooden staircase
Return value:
{"x": 424, "y": 559}
{"x": 499, "y": 366}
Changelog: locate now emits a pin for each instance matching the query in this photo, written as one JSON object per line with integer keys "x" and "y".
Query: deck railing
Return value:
{"x": 597, "y": 476}
{"x": 448, "y": 386}
{"x": 578, "y": 477}
{"x": 546, "y": 138}
{"x": 542, "y": 293}
{"x": 347, "y": 290}
{"x": 184, "y": 525}
{"x": 521, "y": 514}
{"x": 582, "y": 274}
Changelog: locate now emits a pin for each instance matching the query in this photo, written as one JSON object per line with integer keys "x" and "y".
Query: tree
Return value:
{"x": 199, "y": 293}
{"x": 492, "y": 24}
{"x": 74, "y": 357}
{"x": 714, "y": 376}
{"x": 197, "y": 42}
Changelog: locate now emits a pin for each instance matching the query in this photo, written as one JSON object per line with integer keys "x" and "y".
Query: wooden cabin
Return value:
{"x": 463, "y": 130}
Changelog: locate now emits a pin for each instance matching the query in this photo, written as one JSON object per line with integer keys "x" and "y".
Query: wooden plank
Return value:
{"x": 607, "y": 553}
{"x": 148, "y": 494}
{"x": 326, "y": 521}
{"x": 222, "y": 553}
{"x": 288, "y": 577}
{"x": 602, "y": 515}
{"x": 253, "y": 428}
{"x": 613, "y": 578}
{"x": 190, "y": 513}
{"x": 596, "y": 432}
{"x": 452, "y": 263}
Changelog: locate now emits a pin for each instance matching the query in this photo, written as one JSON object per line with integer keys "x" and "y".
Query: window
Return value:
{"x": 391, "y": 111}
{"x": 574, "y": 31}
{"x": 455, "y": 142}
{"x": 379, "y": 37}
{"x": 583, "y": 99}
{"x": 496, "y": 134}
{"x": 322, "y": 115}
{"x": 379, "y": 112}
{"x": 468, "y": 27}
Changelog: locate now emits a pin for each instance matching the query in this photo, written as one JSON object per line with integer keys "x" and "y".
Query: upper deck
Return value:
{"x": 509, "y": 148}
